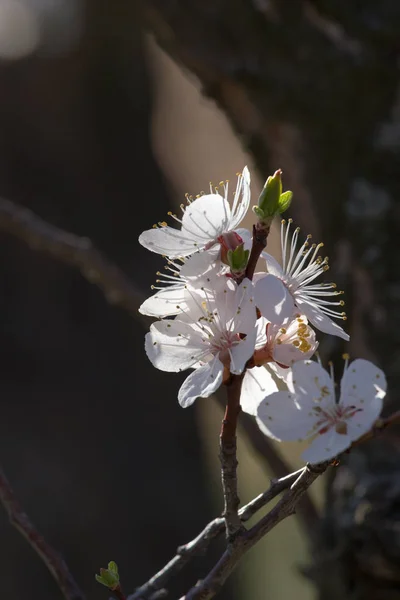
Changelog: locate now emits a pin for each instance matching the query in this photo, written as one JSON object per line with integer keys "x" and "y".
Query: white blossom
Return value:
{"x": 215, "y": 334}
{"x": 309, "y": 408}
{"x": 277, "y": 348}
{"x": 202, "y": 269}
{"x": 204, "y": 220}
{"x": 289, "y": 288}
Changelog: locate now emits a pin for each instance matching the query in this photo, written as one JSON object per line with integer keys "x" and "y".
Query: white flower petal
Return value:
{"x": 280, "y": 372}
{"x": 241, "y": 352}
{"x": 363, "y": 386}
{"x": 164, "y": 302}
{"x": 201, "y": 383}
{"x": 246, "y": 237}
{"x": 319, "y": 319}
{"x": 273, "y": 299}
{"x": 362, "y": 380}
{"x": 326, "y": 446}
{"x": 200, "y": 264}
{"x": 311, "y": 384}
{"x": 273, "y": 266}
{"x": 206, "y": 218}
{"x": 280, "y": 418}
{"x": 298, "y": 343}
{"x": 287, "y": 354}
{"x": 242, "y": 313}
{"x": 169, "y": 241}
{"x": 173, "y": 345}
{"x": 257, "y": 384}
{"x": 241, "y": 200}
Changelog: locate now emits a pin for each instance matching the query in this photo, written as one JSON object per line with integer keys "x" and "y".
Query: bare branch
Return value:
{"x": 199, "y": 545}
{"x": 228, "y": 447}
{"x": 215, "y": 579}
{"x": 73, "y": 250}
{"x": 269, "y": 454}
{"x": 53, "y": 561}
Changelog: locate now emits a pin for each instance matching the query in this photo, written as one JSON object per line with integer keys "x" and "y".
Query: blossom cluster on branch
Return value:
{"x": 219, "y": 317}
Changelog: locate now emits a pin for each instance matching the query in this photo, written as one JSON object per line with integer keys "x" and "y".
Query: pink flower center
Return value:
{"x": 336, "y": 417}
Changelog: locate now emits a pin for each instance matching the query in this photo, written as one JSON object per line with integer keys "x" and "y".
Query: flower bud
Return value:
{"x": 229, "y": 242}
{"x": 109, "y": 577}
{"x": 271, "y": 200}
{"x": 237, "y": 260}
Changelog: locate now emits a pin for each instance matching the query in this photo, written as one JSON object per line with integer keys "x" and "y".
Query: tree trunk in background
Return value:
{"x": 313, "y": 87}
{"x": 100, "y": 454}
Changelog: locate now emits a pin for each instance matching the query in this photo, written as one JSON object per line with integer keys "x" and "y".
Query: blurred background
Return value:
{"x": 109, "y": 113}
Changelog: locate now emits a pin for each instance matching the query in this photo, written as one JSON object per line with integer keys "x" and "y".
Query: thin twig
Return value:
{"x": 267, "y": 451}
{"x": 215, "y": 579}
{"x": 199, "y": 545}
{"x": 379, "y": 426}
{"x": 53, "y": 561}
{"x": 73, "y": 250}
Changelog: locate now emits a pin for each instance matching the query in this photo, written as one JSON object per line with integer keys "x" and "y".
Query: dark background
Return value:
{"x": 92, "y": 439}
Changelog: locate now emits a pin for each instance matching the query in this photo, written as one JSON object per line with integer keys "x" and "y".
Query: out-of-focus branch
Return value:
{"x": 215, "y": 579}
{"x": 73, "y": 250}
{"x": 200, "y": 544}
{"x": 53, "y": 561}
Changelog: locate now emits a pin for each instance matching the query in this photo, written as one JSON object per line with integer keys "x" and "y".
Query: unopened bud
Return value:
{"x": 237, "y": 259}
{"x": 109, "y": 577}
{"x": 229, "y": 241}
{"x": 271, "y": 200}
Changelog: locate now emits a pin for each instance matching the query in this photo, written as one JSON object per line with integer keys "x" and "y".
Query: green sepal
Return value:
{"x": 238, "y": 258}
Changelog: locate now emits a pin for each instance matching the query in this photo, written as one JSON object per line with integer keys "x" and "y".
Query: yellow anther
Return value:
{"x": 341, "y": 303}
{"x": 309, "y": 236}
{"x": 346, "y": 356}
{"x": 283, "y": 221}
{"x": 290, "y": 221}
{"x": 326, "y": 267}
{"x": 296, "y": 343}
{"x": 283, "y": 330}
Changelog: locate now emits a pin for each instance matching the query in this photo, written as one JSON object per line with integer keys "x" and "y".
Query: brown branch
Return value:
{"x": 199, "y": 545}
{"x": 119, "y": 593}
{"x": 269, "y": 454}
{"x": 73, "y": 250}
{"x": 379, "y": 426}
{"x": 215, "y": 579}
{"x": 53, "y": 561}
{"x": 228, "y": 446}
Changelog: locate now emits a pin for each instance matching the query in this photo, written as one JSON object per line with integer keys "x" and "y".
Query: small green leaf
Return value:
{"x": 285, "y": 201}
{"x": 109, "y": 577}
{"x": 112, "y": 566}
{"x": 99, "y": 579}
{"x": 260, "y": 213}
